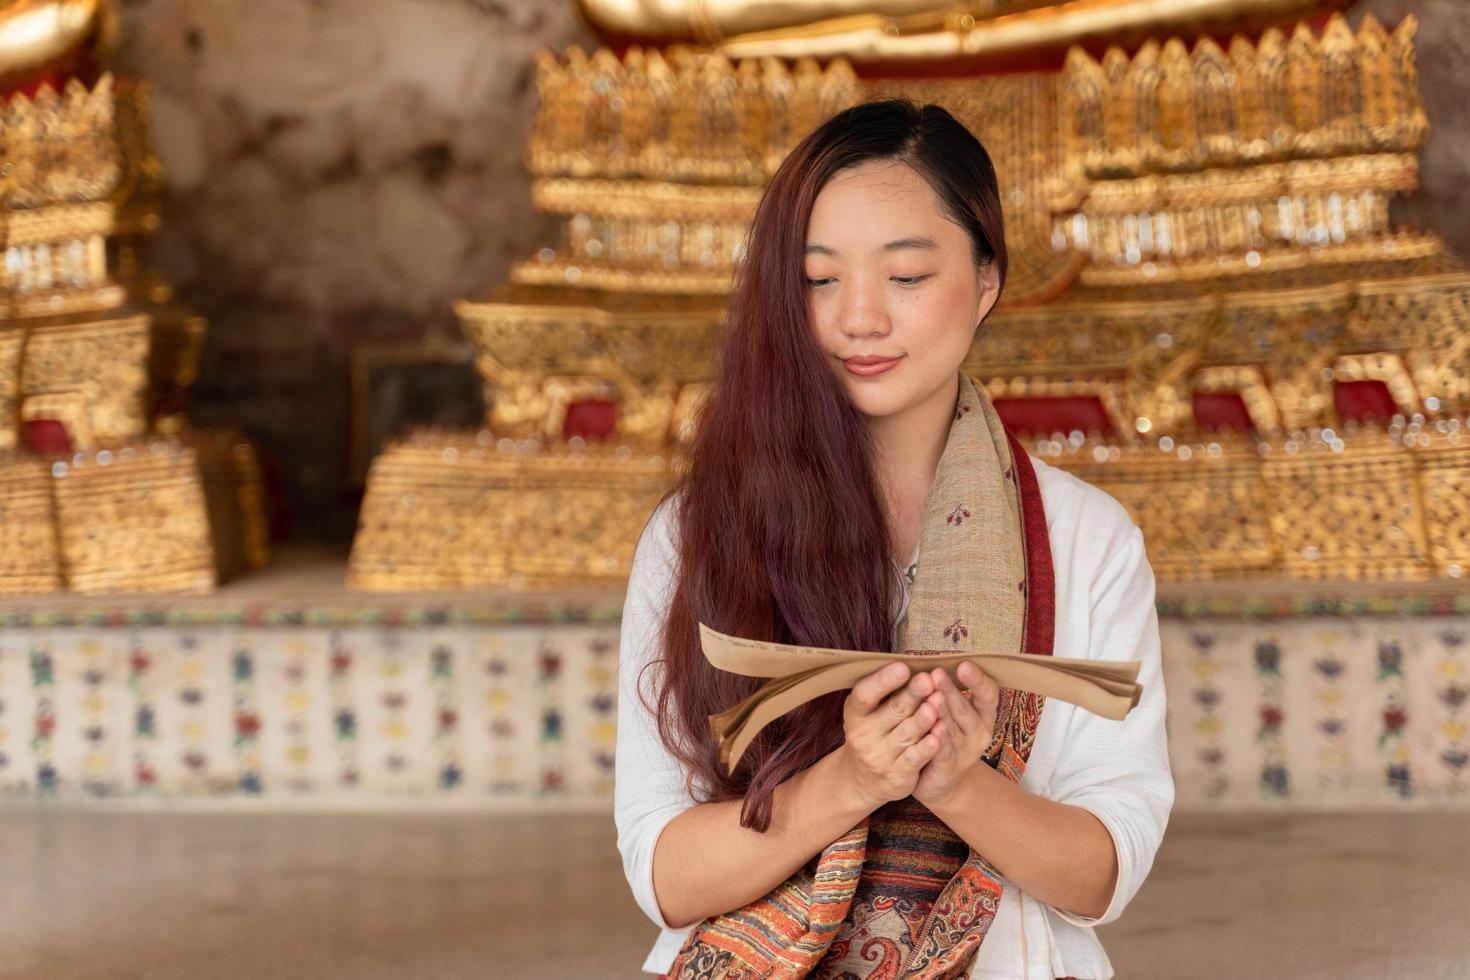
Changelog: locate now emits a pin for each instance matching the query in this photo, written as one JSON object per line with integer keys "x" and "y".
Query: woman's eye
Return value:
{"x": 816, "y": 281}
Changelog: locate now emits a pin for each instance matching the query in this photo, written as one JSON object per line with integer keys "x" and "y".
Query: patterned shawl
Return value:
{"x": 901, "y": 895}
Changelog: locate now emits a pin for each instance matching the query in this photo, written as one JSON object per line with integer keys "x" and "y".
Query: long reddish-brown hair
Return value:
{"x": 782, "y": 533}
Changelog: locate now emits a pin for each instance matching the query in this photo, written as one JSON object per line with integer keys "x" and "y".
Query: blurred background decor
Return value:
{"x": 481, "y": 284}
{"x": 464, "y": 265}
{"x": 107, "y": 488}
{"x": 1210, "y": 312}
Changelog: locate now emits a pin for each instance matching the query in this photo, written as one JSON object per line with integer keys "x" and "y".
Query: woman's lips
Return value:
{"x": 867, "y": 367}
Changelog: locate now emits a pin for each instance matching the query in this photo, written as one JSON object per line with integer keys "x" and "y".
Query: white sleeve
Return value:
{"x": 648, "y": 782}
{"x": 1119, "y": 770}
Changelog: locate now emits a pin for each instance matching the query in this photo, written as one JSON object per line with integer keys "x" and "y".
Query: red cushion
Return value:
{"x": 590, "y": 418}
{"x": 45, "y": 437}
{"x": 1040, "y": 416}
{"x": 1358, "y": 401}
{"x": 1221, "y": 410}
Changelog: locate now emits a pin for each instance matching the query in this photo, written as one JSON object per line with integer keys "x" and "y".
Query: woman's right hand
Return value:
{"x": 885, "y": 721}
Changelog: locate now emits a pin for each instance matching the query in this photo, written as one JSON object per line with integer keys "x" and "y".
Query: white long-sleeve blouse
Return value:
{"x": 1118, "y": 770}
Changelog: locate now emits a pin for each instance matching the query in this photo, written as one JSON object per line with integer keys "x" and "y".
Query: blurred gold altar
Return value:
{"x": 103, "y": 486}
{"x": 1209, "y": 312}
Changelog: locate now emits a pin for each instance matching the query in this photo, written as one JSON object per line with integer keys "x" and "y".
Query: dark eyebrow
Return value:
{"x": 903, "y": 243}
{"x": 919, "y": 242}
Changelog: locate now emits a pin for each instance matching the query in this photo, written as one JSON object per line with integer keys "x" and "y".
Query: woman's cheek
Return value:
{"x": 820, "y": 320}
{"x": 957, "y": 299}
{"x": 940, "y": 320}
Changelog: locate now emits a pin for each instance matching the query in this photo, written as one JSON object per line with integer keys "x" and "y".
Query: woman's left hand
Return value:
{"x": 965, "y": 726}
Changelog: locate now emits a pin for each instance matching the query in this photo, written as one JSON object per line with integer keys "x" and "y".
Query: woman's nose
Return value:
{"x": 864, "y": 316}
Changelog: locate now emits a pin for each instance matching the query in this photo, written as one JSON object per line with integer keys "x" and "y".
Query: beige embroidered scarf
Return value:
{"x": 900, "y": 895}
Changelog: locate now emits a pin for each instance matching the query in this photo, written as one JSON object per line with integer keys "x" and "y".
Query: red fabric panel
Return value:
{"x": 45, "y": 437}
{"x": 1042, "y": 416}
{"x": 1358, "y": 401}
{"x": 30, "y": 86}
{"x": 590, "y": 418}
{"x": 1218, "y": 410}
{"x": 1041, "y": 580}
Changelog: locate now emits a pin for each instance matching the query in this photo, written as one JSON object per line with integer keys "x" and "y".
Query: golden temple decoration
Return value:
{"x": 1373, "y": 528}
{"x": 1170, "y": 109}
{"x": 61, "y": 149}
{"x": 920, "y": 31}
{"x": 1191, "y": 224}
{"x": 92, "y": 376}
{"x": 1278, "y": 155}
{"x": 656, "y": 161}
{"x": 30, "y": 558}
{"x": 1280, "y": 349}
{"x": 134, "y": 521}
{"x": 153, "y": 516}
{"x": 523, "y": 515}
{"x": 1444, "y": 483}
{"x": 681, "y": 116}
{"x": 1175, "y": 165}
{"x": 74, "y": 171}
{"x": 234, "y": 497}
{"x": 537, "y": 359}
{"x": 1423, "y": 320}
{"x": 36, "y": 34}
{"x": 175, "y": 342}
{"x": 93, "y": 347}
{"x": 1204, "y": 509}
{"x": 1360, "y": 503}
{"x": 12, "y": 350}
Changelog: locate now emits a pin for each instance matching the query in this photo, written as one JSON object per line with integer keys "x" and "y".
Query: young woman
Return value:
{"x": 849, "y": 487}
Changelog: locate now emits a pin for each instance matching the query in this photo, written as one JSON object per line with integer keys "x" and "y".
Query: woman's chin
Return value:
{"x": 878, "y": 401}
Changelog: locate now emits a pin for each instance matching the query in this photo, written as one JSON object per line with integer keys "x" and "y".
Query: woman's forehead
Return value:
{"x": 883, "y": 205}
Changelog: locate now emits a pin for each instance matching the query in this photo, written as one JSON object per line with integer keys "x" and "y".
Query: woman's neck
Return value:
{"x": 906, "y": 450}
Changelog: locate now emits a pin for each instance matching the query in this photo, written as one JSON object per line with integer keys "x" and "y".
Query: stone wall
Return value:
{"x": 341, "y": 171}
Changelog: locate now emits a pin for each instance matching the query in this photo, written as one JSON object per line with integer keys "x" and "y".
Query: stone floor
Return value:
{"x": 122, "y": 895}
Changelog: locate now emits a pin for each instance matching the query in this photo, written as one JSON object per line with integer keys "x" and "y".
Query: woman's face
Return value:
{"x": 890, "y": 276}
